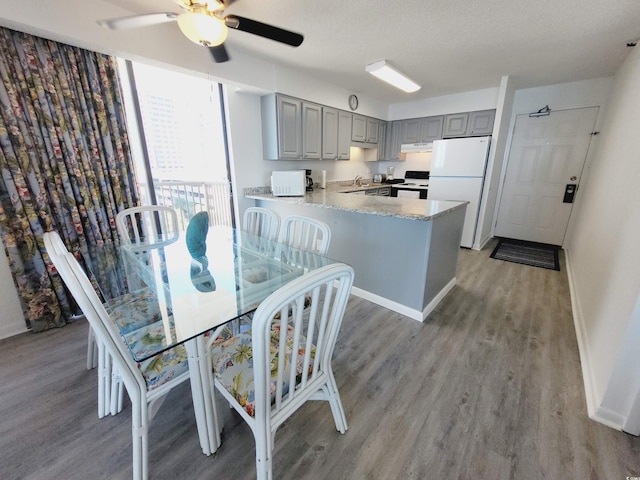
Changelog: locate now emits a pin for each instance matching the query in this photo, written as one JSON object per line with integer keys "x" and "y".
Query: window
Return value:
{"x": 177, "y": 141}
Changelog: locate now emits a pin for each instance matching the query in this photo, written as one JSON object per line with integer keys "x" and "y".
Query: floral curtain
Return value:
{"x": 64, "y": 161}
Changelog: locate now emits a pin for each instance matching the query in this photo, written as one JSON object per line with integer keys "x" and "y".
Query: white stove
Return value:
{"x": 415, "y": 185}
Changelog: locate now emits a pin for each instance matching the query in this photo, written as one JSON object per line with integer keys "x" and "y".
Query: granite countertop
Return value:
{"x": 344, "y": 196}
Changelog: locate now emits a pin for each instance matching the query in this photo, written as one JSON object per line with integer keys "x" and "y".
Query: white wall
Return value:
{"x": 604, "y": 257}
{"x": 12, "y": 319}
{"x": 485, "y": 99}
{"x": 495, "y": 164}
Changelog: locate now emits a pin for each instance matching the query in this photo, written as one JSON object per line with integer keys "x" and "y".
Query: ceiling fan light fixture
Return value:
{"x": 202, "y": 29}
{"x": 390, "y": 74}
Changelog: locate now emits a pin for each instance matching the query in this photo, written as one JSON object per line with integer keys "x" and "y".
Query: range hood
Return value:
{"x": 416, "y": 147}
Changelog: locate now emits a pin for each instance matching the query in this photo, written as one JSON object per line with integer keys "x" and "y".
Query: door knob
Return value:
{"x": 573, "y": 179}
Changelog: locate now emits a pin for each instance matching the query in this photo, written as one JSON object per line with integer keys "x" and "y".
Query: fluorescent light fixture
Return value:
{"x": 388, "y": 73}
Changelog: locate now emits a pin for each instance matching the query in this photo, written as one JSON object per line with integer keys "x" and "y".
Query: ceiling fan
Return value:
{"x": 204, "y": 23}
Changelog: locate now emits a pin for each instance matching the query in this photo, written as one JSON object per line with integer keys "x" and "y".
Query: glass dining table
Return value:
{"x": 189, "y": 287}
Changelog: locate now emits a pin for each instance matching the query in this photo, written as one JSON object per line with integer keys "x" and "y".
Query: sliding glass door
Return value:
{"x": 181, "y": 156}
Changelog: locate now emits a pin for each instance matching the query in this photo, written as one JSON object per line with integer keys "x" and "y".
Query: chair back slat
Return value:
{"x": 305, "y": 337}
{"x": 147, "y": 223}
{"x": 298, "y": 331}
{"x": 306, "y": 233}
{"x": 261, "y": 222}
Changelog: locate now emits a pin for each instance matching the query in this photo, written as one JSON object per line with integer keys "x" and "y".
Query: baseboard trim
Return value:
{"x": 481, "y": 244}
{"x": 12, "y": 330}
{"x": 438, "y": 298}
{"x": 403, "y": 309}
{"x": 386, "y": 303}
{"x": 594, "y": 410}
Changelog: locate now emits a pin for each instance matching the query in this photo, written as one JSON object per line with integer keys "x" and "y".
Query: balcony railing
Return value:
{"x": 189, "y": 198}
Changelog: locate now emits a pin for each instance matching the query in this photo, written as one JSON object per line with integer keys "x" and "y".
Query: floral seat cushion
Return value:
{"x": 162, "y": 367}
{"x": 135, "y": 310}
{"x": 232, "y": 361}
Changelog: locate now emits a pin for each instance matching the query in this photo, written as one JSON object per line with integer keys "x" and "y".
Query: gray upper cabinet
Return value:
{"x": 365, "y": 129}
{"x": 336, "y": 134}
{"x": 344, "y": 135}
{"x": 421, "y": 130}
{"x": 330, "y": 118}
{"x": 394, "y": 130}
{"x": 311, "y": 130}
{"x": 373, "y": 126}
{"x": 432, "y": 128}
{"x": 481, "y": 122}
{"x": 281, "y": 127}
{"x": 293, "y": 129}
{"x": 411, "y": 130}
{"x": 469, "y": 124}
{"x": 382, "y": 140}
{"x": 359, "y": 129}
{"x": 455, "y": 125}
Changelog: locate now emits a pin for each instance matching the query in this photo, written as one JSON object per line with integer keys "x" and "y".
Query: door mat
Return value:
{"x": 527, "y": 253}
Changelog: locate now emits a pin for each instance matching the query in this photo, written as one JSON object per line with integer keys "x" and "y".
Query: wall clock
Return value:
{"x": 353, "y": 102}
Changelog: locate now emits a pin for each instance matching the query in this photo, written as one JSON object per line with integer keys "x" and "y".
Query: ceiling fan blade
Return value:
{"x": 136, "y": 21}
{"x": 219, "y": 53}
{"x": 264, "y": 30}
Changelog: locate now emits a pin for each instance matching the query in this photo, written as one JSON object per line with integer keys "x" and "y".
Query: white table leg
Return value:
{"x": 203, "y": 404}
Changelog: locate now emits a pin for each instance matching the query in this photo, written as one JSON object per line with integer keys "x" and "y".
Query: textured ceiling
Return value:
{"x": 448, "y": 46}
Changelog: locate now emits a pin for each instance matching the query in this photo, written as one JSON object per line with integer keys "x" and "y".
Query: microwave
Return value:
{"x": 288, "y": 183}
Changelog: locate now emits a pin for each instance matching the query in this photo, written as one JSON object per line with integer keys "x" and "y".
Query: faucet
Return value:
{"x": 357, "y": 181}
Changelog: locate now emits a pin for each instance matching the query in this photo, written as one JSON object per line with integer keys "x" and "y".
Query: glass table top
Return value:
{"x": 162, "y": 294}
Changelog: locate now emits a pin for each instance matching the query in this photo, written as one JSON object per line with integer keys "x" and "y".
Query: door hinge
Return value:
{"x": 593, "y": 134}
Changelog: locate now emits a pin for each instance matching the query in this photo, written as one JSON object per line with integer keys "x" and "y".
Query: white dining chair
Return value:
{"x": 53, "y": 242}
{"x": 146, "y": 223}
{"x": 261, "y": 222}
{"x": 146, "y": 382}
{"x": 286, "y": 358}
{"x": 306, "y": 233}
{"x": 96, "y": 353}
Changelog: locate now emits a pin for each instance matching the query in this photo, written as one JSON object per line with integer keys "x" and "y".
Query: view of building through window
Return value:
{"x": 183, "y": 134}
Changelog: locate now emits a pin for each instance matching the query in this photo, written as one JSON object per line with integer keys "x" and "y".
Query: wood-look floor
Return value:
{"x": 489, "y": 387}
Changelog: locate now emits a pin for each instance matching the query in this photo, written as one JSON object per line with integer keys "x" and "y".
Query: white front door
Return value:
{"x": 546, "y": 158}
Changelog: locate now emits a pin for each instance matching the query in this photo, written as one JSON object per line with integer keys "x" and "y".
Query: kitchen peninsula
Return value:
{"x": 404, "y": 251}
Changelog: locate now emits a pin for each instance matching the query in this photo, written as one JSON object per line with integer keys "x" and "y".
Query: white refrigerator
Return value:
{"x": 457, "y": 173}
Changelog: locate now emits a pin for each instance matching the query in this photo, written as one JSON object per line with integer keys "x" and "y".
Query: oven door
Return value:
{"x": 408, "y": 192}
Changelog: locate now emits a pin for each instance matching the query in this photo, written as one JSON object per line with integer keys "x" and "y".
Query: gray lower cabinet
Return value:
{"x": 455, "y": 125}
{"x": 379, "y": 192}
